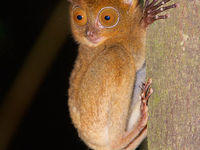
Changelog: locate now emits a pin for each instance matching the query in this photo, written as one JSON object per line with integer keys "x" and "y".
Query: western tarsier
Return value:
{"x": 107, "y": 94}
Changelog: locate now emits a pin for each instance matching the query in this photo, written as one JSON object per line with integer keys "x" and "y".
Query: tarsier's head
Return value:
{"x": 94, "y": 21}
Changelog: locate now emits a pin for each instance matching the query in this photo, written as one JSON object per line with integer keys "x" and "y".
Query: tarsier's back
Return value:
{"x": 104, "y": 95}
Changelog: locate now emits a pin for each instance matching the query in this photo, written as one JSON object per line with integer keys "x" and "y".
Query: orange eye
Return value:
{"x": 79, "y": 17}
{"x": 108, "y": 17}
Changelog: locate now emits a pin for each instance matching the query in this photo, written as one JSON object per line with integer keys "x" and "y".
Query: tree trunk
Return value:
{"x": 173, "y": 61}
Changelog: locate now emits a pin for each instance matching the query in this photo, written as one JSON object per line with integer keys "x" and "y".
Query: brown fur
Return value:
{"x": 102, "y": 80}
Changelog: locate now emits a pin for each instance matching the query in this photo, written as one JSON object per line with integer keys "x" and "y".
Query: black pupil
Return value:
{"x": 107, "y": 17}
{"x": 79, "y": 17}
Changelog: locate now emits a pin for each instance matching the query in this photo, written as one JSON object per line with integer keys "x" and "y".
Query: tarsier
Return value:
{"x": 107, "y": 95}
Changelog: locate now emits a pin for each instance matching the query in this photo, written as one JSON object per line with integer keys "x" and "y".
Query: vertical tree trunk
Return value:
{"x": 173, "y": 61}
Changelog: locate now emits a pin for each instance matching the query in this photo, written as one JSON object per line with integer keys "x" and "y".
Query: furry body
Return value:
{"x": 104, "y": 94}
{"x": 102, "y": 81}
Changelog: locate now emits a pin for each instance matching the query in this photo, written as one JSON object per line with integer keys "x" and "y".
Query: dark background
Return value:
{"x": 46, "y": 124}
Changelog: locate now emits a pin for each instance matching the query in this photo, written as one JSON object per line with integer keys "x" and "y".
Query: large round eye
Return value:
{"x": 79, "y": 16}
{"x": 108, "y": 17}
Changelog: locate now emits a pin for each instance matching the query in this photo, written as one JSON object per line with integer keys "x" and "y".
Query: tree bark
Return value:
{"x": 173, "y": 61}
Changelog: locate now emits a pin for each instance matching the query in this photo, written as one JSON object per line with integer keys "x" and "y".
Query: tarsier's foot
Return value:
{"x": 151, "y": 11}
{"x": 146, "y": 93}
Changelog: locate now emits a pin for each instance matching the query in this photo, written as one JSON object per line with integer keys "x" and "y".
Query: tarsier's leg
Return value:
{"x": 132, "y": 138}
{"x": 151, "y": 11}
{"x": 142, "y": 125}
{"x": 133, "y": 145}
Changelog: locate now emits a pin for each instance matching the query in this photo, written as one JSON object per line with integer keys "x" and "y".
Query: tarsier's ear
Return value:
{"x": 69, "y": 1}
{"x": 132, "y": 3}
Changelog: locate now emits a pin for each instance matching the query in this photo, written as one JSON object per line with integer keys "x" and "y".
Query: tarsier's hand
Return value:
{"x": 151, "y": 11}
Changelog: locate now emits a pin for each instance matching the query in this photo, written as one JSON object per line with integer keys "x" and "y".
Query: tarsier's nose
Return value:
{"x": 90, "y": 33}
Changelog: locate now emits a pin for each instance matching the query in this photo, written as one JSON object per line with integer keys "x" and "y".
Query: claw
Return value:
{"x": 152, "y": 9}
{"x": 145, "y": 95}
{"x": 146, "y": 92}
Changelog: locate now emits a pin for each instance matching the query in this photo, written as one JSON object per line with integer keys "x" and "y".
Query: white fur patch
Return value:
{"x": 128, "y": 1}
{"x": 135, "y": 115}
{"x": 106, "y": 135}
